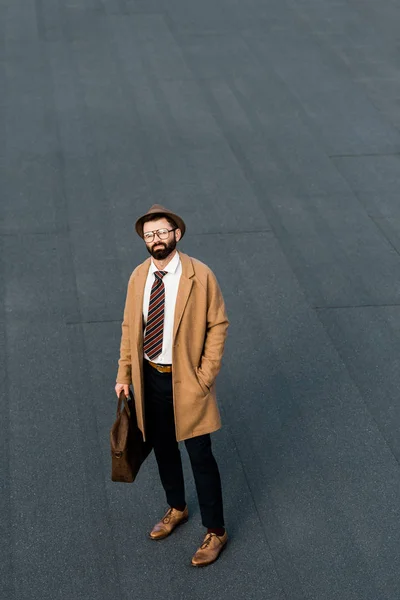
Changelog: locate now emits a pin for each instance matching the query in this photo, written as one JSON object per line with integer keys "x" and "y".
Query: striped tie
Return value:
{"x": 153, "y": 337}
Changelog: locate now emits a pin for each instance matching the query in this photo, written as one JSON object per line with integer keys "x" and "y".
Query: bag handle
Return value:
{"x": 122, "y": 398}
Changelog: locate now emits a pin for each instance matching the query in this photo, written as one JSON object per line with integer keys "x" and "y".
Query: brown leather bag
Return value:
{"x": 128, "y": 450}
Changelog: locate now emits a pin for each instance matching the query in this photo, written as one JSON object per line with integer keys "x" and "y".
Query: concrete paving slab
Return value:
{"x": 367, "y": 341}
{"x": 29, "y": 185}
{"x": 61, "y": 545}
{"x": 207, "y": 18}
{"x": 219, "y": 56}
{"x": 309, "y": 173}
{"x": 277, "y": 150}
{"x": 20, "y": 22}
{"x": 6, "y": 559}
{"x": 28, "y": 123}
{"x": 147, "y": 46}
{"x": 312, "y": 73}
{"x": 34, "y": 285}
{"x": 337, "y": 251}
{"x": 371, "y": 174}
{"x": 380, "y": 205}
{"x": 318, "y": 464}
{"x": 390, "y": 228}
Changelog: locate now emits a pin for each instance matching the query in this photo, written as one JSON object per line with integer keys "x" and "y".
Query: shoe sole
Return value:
{"x": 157, "y": 539}
{"x": 213, "y": 561}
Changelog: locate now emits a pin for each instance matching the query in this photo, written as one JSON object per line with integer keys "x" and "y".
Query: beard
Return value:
{"x": 164, "y": 252}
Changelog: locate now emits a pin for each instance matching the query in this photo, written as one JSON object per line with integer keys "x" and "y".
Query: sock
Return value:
{"x": 219, "y": 531}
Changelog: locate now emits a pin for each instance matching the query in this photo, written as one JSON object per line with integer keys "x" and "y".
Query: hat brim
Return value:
{"x": 179, "y": 222}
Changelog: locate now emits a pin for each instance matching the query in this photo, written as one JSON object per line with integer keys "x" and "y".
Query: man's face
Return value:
{"x": 161, "y": 249}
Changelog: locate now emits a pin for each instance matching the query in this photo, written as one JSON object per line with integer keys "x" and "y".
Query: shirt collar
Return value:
{"x": 171, "y": 266}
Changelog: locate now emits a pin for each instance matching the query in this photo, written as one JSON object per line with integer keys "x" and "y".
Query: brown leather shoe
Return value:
{"x": 170, "y": 520}
{"x": 210, "y": 549}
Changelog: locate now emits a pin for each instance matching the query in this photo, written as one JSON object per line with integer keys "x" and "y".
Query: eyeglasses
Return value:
{"x": 161, "y": 233}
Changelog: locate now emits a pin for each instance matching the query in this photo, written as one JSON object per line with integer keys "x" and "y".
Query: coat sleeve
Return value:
{"x": 124, "y": 363}
{"x": 217, "y": 326}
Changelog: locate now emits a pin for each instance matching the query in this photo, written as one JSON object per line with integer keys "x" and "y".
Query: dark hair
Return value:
{"x": 156, "y": 216}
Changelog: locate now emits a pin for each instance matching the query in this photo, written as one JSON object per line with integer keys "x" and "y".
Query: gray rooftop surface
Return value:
{"x": 273, "y": 128}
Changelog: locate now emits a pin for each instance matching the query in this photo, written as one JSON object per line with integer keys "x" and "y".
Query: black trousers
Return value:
{"x": 160, "y": 429}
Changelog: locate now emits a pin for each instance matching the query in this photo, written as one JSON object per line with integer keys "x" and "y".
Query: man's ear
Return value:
{"x": 178, "y": 234}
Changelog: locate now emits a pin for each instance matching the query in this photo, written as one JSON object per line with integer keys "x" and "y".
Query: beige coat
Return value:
{"x": 200, "y": 328}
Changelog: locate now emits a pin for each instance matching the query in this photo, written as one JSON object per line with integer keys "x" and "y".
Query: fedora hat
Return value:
{"x": 157, "y": 209}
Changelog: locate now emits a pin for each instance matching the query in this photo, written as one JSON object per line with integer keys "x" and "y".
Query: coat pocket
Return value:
{"x": 204, "y": 387}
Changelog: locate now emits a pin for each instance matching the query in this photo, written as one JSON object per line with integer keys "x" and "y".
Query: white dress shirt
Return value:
{"x": 171, "y": 284}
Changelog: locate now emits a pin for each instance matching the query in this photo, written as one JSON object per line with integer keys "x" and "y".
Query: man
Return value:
{"x": 173, "y": 337}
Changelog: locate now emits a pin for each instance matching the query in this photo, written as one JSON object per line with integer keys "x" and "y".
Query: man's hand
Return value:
{"x": 119, "y": 387}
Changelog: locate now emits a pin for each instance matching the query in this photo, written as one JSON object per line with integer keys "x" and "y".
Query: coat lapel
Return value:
{"x": 184, "y": 289}
{"x": 140, "y": 282}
